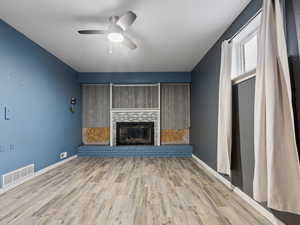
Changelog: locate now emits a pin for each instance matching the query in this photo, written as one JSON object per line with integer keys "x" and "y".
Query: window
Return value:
{"x": 244, "y": 57}
{"x": 250, "y": 53}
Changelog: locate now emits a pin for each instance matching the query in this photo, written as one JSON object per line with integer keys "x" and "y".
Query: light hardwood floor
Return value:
{"x": 145, "y": 191}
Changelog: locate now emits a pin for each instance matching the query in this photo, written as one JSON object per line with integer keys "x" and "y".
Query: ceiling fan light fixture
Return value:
{"x": 115, "y": 37}
{"x": 116, "y": 30}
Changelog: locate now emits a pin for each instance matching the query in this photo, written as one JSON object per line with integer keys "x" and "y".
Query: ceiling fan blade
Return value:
{"x": 126, "y": 20}
{"x": 92, "y": 31}
{"x": 129, "y": 43}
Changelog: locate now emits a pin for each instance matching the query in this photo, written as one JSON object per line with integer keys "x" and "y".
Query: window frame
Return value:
{"x": 243, "y": 42}
{"x": 238, "y": 57}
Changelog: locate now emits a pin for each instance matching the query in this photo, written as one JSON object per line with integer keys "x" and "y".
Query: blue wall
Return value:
{"x": 133, "y": 78}
{"x": 204, "y": 111}
{"x": 36, "y": 87}
{"x": 205, "y": 93}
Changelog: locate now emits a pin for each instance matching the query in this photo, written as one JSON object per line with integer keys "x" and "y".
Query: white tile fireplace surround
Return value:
{"x": 135, "y": 115}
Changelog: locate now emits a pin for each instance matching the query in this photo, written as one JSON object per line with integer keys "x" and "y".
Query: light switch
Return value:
{"x": 2, "y": 112}
{"x": 7, "y": 113}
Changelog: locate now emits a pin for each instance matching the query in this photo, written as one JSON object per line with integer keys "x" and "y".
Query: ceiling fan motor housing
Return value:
{"x": 113, "y": 19}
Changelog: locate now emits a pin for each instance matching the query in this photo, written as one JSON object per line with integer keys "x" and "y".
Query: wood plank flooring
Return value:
{"x": 133, "y": 191}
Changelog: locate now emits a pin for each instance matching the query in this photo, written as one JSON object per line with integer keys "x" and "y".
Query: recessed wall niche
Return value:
{"x": 167, "y": 105}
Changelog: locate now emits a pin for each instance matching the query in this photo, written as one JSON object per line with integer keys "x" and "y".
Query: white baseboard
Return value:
{"x": 38, "y": 173}
{"x": 214, "y": 173}
{"x": 46, "y": 169}
{"x": 259, "y": 208}
{"x": 262, "y": 210}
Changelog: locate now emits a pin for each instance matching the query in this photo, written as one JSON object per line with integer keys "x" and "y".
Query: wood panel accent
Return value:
{"x": 95, "y": 105}
{"x": 175, "y": 106}
{"x": 98, "y": 135}
{"x": 135, "y": 97}
{"x": 174, "y": 136}
{"x": 128, "y": 191}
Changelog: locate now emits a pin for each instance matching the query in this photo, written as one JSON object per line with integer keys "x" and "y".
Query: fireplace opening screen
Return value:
{"x": 138, "y": 133}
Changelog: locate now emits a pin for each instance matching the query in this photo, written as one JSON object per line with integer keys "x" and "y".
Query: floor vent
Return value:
{"x": 17, "y": 176}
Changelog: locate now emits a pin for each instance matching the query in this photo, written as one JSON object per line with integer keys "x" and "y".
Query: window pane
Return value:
{"x": 250, "y": 54}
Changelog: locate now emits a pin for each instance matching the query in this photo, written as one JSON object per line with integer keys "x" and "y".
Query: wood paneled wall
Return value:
{"x": 135, "y": 97}
{"x": 175, "y": 106}
{"x": 175, "y": 113}
{"x": 95, "y": 114}
{"x": 175, "y": 110}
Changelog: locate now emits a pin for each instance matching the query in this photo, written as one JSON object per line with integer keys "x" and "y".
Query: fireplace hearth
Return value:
{"x": 135, "y": 133}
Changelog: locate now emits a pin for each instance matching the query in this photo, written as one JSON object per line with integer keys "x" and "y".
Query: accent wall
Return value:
{"x": 204, "y": 108}
{"x": 36, "y": 123}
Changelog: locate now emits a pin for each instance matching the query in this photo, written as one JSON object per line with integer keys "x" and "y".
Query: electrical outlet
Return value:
{"x": 63, "y": 155}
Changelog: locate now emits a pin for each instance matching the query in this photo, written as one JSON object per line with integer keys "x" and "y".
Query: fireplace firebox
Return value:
{"x": 135, "y": 133}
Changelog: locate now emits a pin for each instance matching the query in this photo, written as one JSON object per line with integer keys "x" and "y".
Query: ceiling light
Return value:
{"x": 115, "y": 37}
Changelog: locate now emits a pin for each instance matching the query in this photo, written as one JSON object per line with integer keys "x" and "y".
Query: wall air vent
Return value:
{"x": 17, "y": 176}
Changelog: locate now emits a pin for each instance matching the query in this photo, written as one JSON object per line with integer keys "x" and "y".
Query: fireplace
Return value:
{"x": 135, "y": 133}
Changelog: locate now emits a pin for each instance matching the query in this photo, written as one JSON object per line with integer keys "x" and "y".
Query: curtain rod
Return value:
{"x": 246, "y": 24}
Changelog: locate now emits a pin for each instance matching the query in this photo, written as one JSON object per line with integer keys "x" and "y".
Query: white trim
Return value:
{"x": 139, "y": 111}
{"x": 214, "y": 173}
{"x": 83, "y": 85}
{"x": 38, "y": 173}
{"x": 244, "y": 77}
{"x": 48, "y": 168}
{"x": 246, "y": 24}
{"x": 242, "y": 44}
{"x": 263, "y": 211}
{"x": 172, "y": 84}
{"x": 159, "y": 115}
{"x": 259, "y": 208}
{"x": 132, "y": 110}
{"x": 111, "y": 129}
{"x": 110, "y": 112}
{"x": 159, "y": 96}
{"x": 246, "y": 33}
{"x": 133, "y": 85}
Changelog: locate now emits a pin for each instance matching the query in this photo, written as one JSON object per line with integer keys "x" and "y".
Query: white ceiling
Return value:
{"x": 172, "y": 35}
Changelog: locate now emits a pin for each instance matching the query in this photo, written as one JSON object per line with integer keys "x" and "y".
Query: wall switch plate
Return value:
{"x": 7, "y": 113}
{"x": 73, "y": 101}
{"x": 2, "y": 112}
{"x": 11, "y": 147}
{"x": 63, "y": 155}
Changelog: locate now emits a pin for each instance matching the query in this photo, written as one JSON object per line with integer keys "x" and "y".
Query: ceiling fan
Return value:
{"x": 116, "y": 30}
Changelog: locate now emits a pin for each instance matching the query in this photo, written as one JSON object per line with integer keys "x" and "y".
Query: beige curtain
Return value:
{"x": 277, "y": 169}
{"x": 225, "y": 111}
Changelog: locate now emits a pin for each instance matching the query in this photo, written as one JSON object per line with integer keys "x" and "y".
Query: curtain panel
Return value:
{"x": 277, "y": 169}
{"x": 225, "y": 111}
